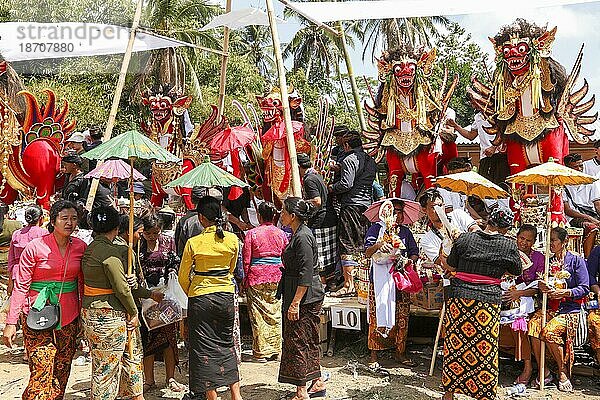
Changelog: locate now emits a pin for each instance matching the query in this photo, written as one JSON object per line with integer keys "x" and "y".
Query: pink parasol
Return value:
{"x": 115, "y": 170}
{"x": 231, "y": 138}
{"x": 412, "y": 210}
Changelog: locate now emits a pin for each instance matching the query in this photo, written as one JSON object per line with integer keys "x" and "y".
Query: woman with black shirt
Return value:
{"x": 472, "y": 323}
{"x": 302, "y": 300}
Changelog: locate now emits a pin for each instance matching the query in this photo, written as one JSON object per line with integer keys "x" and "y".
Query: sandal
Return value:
{"x": 149, "y": 387}
{"x": 408, "y": 363}
{"x": 565, "y": 386}
{"x": 175, "y": 386}
{"x": 344, "y": 292}
{"x": 547, "y": 381}
{"x": 316, "y": 393}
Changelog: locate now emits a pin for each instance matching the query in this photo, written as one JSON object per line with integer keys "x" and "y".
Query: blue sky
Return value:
{"x": 576, "y": 24}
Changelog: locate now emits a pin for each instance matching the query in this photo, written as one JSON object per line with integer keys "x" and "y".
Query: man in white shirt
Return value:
{"x": 431, "y": 242}
{"x": 493, "y": 163}
{"x": 458, "y": 201}
{"x": 582, "y": 205}
{"x": 592, "y": 166}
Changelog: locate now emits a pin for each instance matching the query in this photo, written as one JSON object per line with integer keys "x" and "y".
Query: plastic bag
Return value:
{"x": 171, "y": 309}
{"x": 407, "y": 279}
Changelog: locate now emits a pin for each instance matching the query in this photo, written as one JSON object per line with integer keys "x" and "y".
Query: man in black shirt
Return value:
{"x": 324, "y": 221}
{"x": 354, "y": 191}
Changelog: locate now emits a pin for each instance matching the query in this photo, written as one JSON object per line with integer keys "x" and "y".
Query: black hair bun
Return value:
{"x": 104, "y": 219}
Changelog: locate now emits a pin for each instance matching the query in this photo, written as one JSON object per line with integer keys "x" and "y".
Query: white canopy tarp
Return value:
{"x": 33, "y": 41}
{"x": 238, "y": 19}
{"x": 328, "y": 11}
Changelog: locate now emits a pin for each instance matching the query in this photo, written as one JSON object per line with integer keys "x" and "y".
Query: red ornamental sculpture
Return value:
{"x": 532, "y": 100}
{"x": 168, "y": 128}
{"x": 277, "y": 165}
{"x": 31, "y": 142}
{"x": 406, "y": 116}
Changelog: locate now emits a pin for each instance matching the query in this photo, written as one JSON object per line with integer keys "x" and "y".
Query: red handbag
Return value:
{"x": 406, "y": 278}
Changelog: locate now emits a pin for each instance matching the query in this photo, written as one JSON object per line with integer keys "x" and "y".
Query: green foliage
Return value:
{"x": 461, "y": 56}
{"x": 96, "y": 11}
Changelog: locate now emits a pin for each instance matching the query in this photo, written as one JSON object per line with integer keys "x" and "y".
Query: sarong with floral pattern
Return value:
{"x": 116, "y": 371}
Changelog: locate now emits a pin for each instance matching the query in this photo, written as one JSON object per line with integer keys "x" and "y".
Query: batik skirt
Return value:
{"x": 379, "y": 339}
{"x": 117, "y": 368}
{"x": 594, "y": 329}
{"x": 352, "y": 227}
{"x": 327, "y": 245}
{"x": 471, "y": 348}
{"x": 156, "y": 341}
{"x": 213, "y": 362}
{"x": 265, "y": 317}
{"x": 50, "y": 355}
{"x": 560, "y": 329}
{"x": 301, "y": 353}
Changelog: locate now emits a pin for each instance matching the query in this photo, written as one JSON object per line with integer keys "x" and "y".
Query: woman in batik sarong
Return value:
{"x": 513, "y": 334}
{"x": 593, "y": 265}
{"x": 303, "y": 294}
{"x": 567, "y": 288}
{"x": 478, "y": 260}
{"x": 46, "y": 263}
{"x": 158, "y": 259}
{"x": 389, "y": 308}
{"x": 262, "y": 250}
{"x": 206, "y": 276}
{"x": 109, "y": 314}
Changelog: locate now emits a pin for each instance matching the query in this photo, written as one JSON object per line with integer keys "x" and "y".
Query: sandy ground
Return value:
{"x": 259, "y": 381}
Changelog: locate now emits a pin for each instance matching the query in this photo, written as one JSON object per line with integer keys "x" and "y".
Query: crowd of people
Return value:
{"x": 284, "y": 260}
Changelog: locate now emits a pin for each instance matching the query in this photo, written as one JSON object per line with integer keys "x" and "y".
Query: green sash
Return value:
{"x": 49, "y": 291}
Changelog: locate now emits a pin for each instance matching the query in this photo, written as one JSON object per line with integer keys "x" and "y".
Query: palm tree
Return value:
{"x": 393, "y": 31}
{"x": 179, "y": 19}
{"x": 255, "y": 44}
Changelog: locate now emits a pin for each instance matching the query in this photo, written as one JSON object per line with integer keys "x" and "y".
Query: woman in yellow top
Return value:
{"x": 206, "y": 275}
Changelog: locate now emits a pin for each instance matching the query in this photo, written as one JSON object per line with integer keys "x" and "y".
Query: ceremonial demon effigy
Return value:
{"x": 406, "y": 117}
{"x": 277, "y": 165}
{"x": 31, "y": 140}
{"x": 532, "y": 100}
{"x": 169, "y": 128}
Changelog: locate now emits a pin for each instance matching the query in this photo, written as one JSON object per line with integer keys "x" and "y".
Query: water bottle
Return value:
{"x": 517, "y": 390}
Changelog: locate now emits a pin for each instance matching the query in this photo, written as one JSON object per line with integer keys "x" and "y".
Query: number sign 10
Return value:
{"x": 345, "y": 318}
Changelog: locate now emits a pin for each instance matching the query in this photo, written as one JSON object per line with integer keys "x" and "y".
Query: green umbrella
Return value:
{"x": 128, "y": 145}
{"x": 207, "y": 175}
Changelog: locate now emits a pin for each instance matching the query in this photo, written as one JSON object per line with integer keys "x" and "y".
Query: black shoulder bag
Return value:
{"x": 48, "y": 317}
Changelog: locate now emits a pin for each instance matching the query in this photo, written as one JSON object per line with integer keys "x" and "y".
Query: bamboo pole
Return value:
{"x": 437, "y": 339}
{"x": 130, "y": 247}
{"x": 224, "y": 59}
{"x": 289, "y": 131}
{"x": 355, "y": 94}
{"x": 118, "y": 91}
{"x": 542, "y": 366}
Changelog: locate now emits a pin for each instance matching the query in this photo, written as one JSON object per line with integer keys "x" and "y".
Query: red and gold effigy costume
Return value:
{"x": 532, "y": 101}
{"x": 406, "y": 115}
{"x": 277, "y": 165}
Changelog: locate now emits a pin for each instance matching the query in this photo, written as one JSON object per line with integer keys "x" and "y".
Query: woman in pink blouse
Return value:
{"x": 46, "y": 263}
{"x": 22, "y": 237}
{"x": 262, "y": 262}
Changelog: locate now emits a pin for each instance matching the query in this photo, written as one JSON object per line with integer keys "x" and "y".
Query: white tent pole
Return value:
{"x": 224, "y": 59}
{"x": 289, "y": 131}
{"x": 118, "y": 91}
